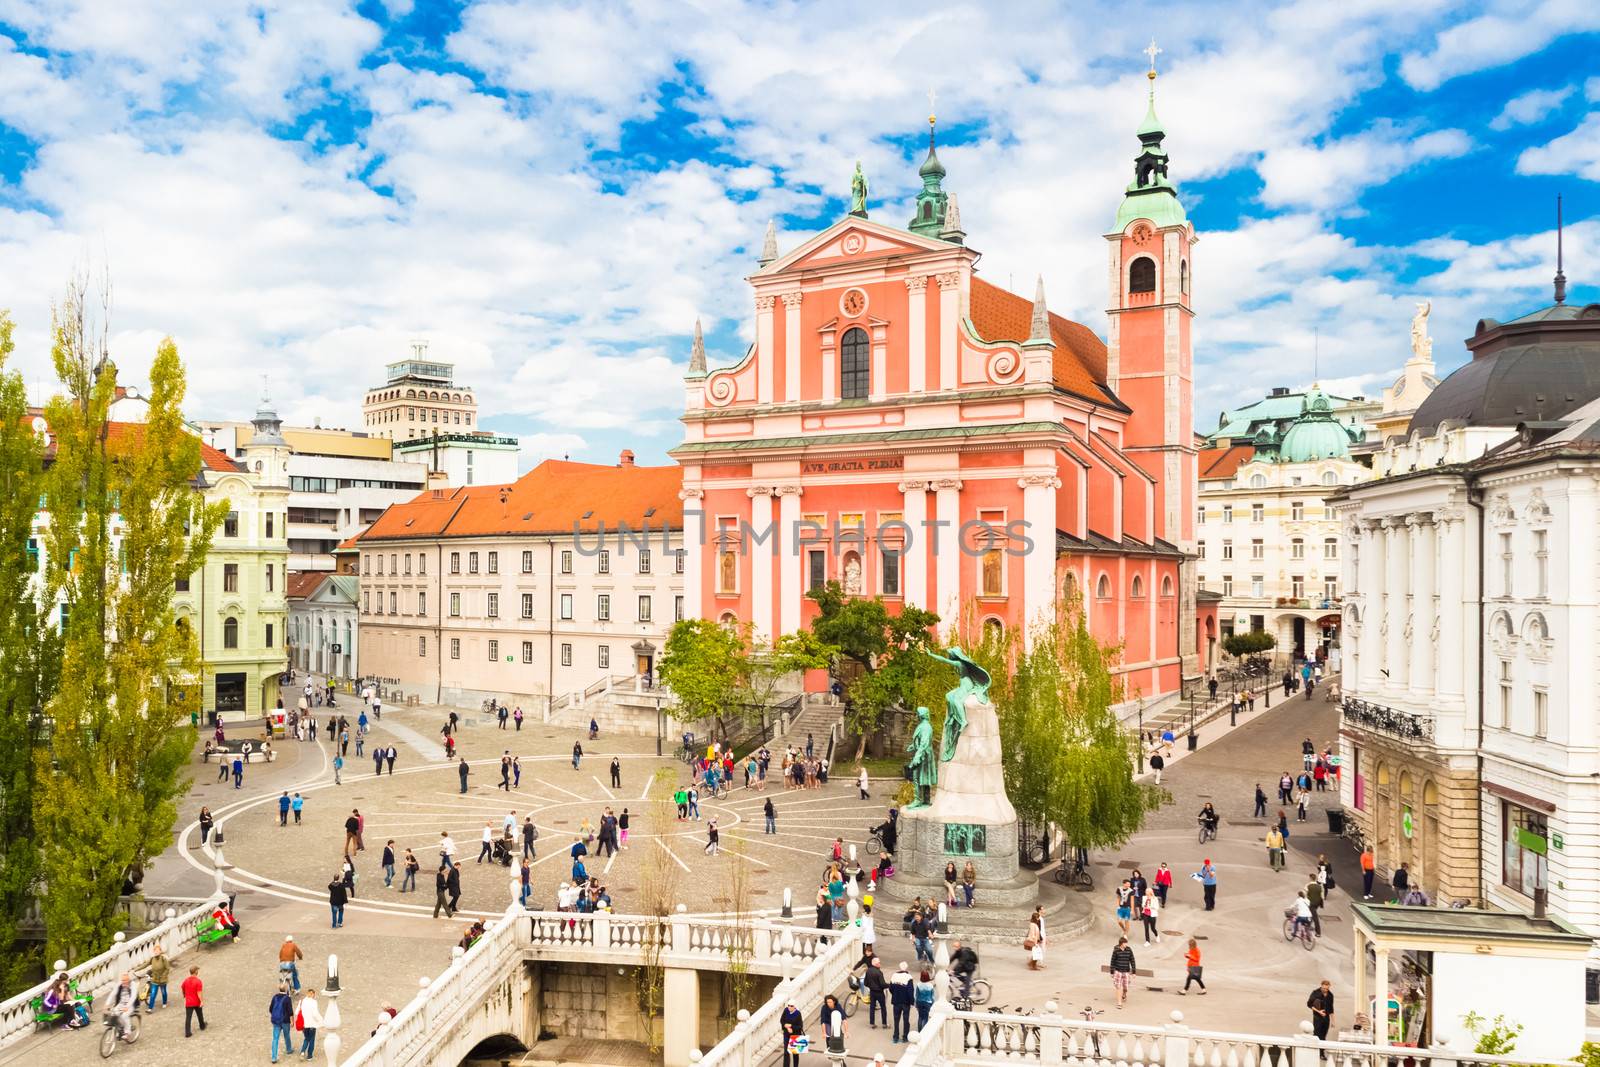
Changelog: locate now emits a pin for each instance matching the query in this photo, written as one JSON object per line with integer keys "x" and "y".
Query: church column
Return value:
{"x": 947, "y": 561}
{"x": 1424, "y": 559}
{"x": 761, "y": 559}
{"x": 880, "y": 364}
{"x": 764, "y": 349}
{"x": 791, "y": 348}
{"x": 1372, "y": 625}
{"x": 1452, "y": 629}
{"x": 830, "y": 374}
{"x": 949, "y": 327}
{"x": 694, "y": 549}
{"x": 1395, "y": 587}
{"x": 788, "y": 559}
{"x": 918, "y": 332}
{"x": 918, "y": 536}
{"x": 1039, "y": 565}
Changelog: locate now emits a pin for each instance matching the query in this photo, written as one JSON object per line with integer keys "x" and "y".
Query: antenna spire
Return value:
{"x": 1561, "y": 278}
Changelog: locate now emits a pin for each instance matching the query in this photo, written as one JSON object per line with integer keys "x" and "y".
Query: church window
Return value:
{"x": 1258, "y": 481}
{"x": 1183, "y": 276}
{"x": 994, "y": 631}
{"x": 1166, "y": 585}
{"x": 993, "y": 573}
{"x": 1102, "y": 588}
{"x": 1142, "y": 275}
{"x": 1136, "y": 590}
{"x": 856, "y": 375}
{"x": 1069, "y": 586}
{"x": 927, "y": 211}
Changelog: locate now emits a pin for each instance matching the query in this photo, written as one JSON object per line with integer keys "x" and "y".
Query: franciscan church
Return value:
{"x": 914, "y": 431}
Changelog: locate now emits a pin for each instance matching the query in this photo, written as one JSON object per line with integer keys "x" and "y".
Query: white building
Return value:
{"x": 419, "y": 398}
{"x": 1470, "y": 727}
{"x": 324, "y": 624}
{"x": 464, "y": 458}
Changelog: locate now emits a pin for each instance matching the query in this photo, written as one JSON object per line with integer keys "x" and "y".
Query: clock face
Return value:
{"x": 853, "y": 303}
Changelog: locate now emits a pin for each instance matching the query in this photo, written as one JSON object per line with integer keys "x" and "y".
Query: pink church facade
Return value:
{"x": 915, "y": 432}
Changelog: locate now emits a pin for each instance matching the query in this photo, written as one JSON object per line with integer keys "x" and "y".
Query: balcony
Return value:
{"x": 1310, "y": 603}
{"x": 1387, "y": 720}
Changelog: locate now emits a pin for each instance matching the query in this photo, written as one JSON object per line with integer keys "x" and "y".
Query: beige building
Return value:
{"x": 420, "y": 399}
{"x": 569, "y": 577}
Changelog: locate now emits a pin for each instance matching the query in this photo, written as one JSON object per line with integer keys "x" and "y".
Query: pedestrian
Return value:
{"x": 516, "y": 772}
{"x": 1123, "y": 966}
{"x": 206, "y": 822}
{"x": 224, "y": 765}
{"x": 338, "y": 896}
{"x": 462, "y": 770}
{"x": 504, "y": 716}
{"x": 297, "y": 805}
{"x": 280, "y": 1012}
{"x": 1261, "y": 803}
{"x": 352, "y": 832}
{"x": 1124, "y": 894}
{"x": 160, "y": 971}
{"x": 389, "y": 757}
{"x": 447, "y": 848}
{"x": 861, "y": 784}
{"x": 1401, "y": 881}
{"x": 530, "y": 834}
{"x": 1301, "y": 799}
{"x": 238, "y": 772}
{"x": 505, "y": 772}
{"x": 1285, "y": 788}
{"x": 921, "y": 937}
{"x": 377, "y": 760}
{"x": 310, "y": 1021}
{"x": 1157, "y": 764}
{"x": 388, "y": 864}
{"x": 712, "y": 837}
{"x": 1321, "y": 1004}
{"x": 1308, "y": 753}
{"x": 526, "y": 875}
{"x": 408, "y": 884}
{"x": 193, "y": 1001}
{"x": 1191, "y": 961}
{"x": 1149, "y": 913}
{"x": 577, "y": 754}
{"x": 361, "y": 740}
{"x": 622, "y": 827}
{"x": 1274, "y": 848}
{"x": 1369, "y": 866}
{"x": 877, "y": 987}
{"x": 1211, "y": 684}
{"x": 901, "y": 997}
{"x": 1036, "y": 939}
{"x": 1283, "y": 826}
{"x": 453, "y": 883}
{"x": 517, "y": 715}
{"x": 1207, "y": 877}
{"x": 486, "y": 846}
{"x": 289, "y": 956}
{"x": 922, "y": 992}
{"x": 283, "y": 810}
{"x": 616, "y": 773}
{"x": 792, "y": 1028}
{"x": 1314, "y": 898}
{"x": 441, "y": 889}
{"x": 338, "y": 766}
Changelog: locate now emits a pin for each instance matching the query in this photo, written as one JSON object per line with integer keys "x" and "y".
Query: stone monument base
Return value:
{"x": 919, "y": 864}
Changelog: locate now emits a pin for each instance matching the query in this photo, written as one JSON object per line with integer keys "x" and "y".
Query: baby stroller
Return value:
{"x": 502, "y": 851}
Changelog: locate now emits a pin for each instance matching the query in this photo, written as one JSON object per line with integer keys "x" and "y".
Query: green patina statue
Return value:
{"x": 921, "y": 767}
{"x": 974, "y": 682}
{"x": 858, "y": 192}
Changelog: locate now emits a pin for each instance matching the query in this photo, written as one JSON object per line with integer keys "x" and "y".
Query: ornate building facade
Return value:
{"x": 916, "y": 432}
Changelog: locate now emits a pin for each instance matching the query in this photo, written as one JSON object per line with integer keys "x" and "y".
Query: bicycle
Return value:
{"x": 1091, "y": 1015}
{"x": 110, "y": 1037}
{"x": 1077, "y": 876}
{"x": 1035, "y": 853}
{"x": 979, "y": 991}
{"x": 1293, "y": 929}
{"x": 1208, "y": 831}
{"x": 874, "y": 843}
{"x": 857, "y": 996}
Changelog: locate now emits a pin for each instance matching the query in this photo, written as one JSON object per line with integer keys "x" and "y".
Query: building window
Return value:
{"x": 1330, "y": 478}
{"x": 1142, "y": 275}
{"x": 1330, "y": 588}
{"x": 1297, "y": 586}
{"x": 644, "y": 609}
{"x": 1258, "y": 481}
{"x": 230, "y": 577}
{"x": 527, "y": 605}
{"x": 1102, "y": 588}
{"x": 422, "y": 603}
{"x": 422, "y": 563}
{"x": 1258, "y": 585}
{"x": 394, "y": 604}
{"x": 455, "y": 648}
{"x": 269, "y": 635}
{"x": 408, "y": 563}
{"x": 1541, "y": 556}
{"x": 566, "y": 654}
{"x": 602, "y": 607}
{"x": 1200, "y": 549}
{"x": 1227, "y": 513}
{"x": 889, "y": 567}
{"x": 677, "y": 562}
{"x": 644, "y": 561}
{"x": 1136, "y": 588}
{"x": 455, "y": 605}
{"x": 566, "y": 606}
{"x": 1183, "y": 276}
{"x": 180, "y": 585}
{"x": 1297, "y": 548}
{"x": 492, "y": 603}
{"x": 455, "y": 563}
{"x": 677, "y": 609}
{"x": 1258, "y": 548}
{"x": 1200, "y": 514}
{"x": 230, "y": 525}
{"x": 1505, "y": 564}
{"x": 230, "y": 633}
{"x": 855, "y": 378}
{"x": 394, "y": 565}
{"x": 605, "y": 656}
{"x": 816, "y": 569}
{"x": 1227, "y": 548}
{"x": 1541, "y": 713}
{"x": 422, "y": 648}
{"x": 1330, "y": 548}
{"x": 366, "y": 564}
{"x": 1297, "y": 510}
{"x": 270, "y": 517}
{"x": 494, "y": 650}
{"x": 366, "y": 608}
{"x": 566, "y": 561}
{"x": 1227, "y": 585}
{"x": 527, "y": 563}
{"x": 602, "y": 562}
{"x": 494, "y": 563}
{"x": 472, "y": 563}
{"x": 270, "y": 569}
{"x": 527, "y": 651}
{"x": 1526, "y": 844}
{"x": 1505, "y": 694}
{"x": 1258, "y": 512}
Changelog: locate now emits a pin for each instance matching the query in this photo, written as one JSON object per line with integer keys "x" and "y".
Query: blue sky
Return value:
{"x": 551, "y": 193}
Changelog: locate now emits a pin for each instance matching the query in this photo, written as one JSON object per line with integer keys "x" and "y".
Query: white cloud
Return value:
{"x": 1509, "y": 30}
{"x": 1532, "y": 106}
{"x": 1576, "y": 152}
{"x": 1333, "y": 175}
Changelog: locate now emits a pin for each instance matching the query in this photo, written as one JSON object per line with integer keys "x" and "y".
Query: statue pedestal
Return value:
{"x": 970, "y": 819}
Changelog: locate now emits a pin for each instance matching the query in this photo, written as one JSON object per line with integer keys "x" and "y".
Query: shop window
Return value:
{"x": 1525, "y": 838}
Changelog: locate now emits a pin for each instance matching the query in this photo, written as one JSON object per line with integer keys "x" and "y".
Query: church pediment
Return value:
{"x": 853, "y": 240}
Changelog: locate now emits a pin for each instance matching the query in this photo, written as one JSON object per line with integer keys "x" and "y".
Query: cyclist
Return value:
{"x": 1209, "y": 818}
{"x": 1302, "y": 913}
{"x": 121, "y": 1006}
{"x": 964, "y": 964}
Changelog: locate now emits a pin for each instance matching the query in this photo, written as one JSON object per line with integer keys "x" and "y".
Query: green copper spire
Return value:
{"x": 1151, "y": 195}
{"x": 931, "y": 200}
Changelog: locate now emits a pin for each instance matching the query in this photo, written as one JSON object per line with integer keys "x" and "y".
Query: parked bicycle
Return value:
{"x": 1077, "y": 875}
{"x": 1091, "y": 1015}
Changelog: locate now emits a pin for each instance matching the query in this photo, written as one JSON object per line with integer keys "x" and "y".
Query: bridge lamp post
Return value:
{"x": 788, "y": 904}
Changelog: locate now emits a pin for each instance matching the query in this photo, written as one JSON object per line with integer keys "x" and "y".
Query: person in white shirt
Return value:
{"x": 1302, "y": 912}
{"x": 509, "y": 824}
{"x": 447, "y": 848}
{"x": 488, "y": 842}
{"x": 861, "y": 784}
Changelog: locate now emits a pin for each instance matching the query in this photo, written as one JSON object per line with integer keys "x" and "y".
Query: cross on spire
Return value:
{"x": 1152, "y": 50}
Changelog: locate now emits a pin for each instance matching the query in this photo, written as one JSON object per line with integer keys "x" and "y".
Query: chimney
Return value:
{"x": 626, "y": 459}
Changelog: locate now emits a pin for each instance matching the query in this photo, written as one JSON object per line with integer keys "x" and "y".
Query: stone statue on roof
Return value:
{"x": 858, "y": 192}
{"x": 1421, "y": 343}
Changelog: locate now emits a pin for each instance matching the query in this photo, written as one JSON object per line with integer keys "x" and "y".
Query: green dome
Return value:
{"x": 1316, "y": 434}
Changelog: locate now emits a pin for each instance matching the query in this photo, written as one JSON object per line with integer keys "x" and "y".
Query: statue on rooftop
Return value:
{"x": 858, "y": 192}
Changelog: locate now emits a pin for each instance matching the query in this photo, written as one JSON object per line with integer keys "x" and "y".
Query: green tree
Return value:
{"x": 1249, "y": 643}
{"x": 119, "y": 731}
{"x": 29, "y": 650}
{"x": 1068, "y": 760}
{"x": 721, "y": 674}
{"x": 885, "y": 647}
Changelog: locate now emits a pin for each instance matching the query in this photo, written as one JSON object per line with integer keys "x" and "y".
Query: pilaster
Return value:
{"x": 1038, "y": 566}
{"x": 1452, "y": 630}
{"x": 761, "y": 558}
{"x": 694, "y": 548}
{"x": 764, "y": 349}
{"x": 791, "y": 347}
{"x": 917, "y": 332}
{"x": 949, "y": 328}
{"x": 916, "y": 562}
{"x": 1395, "y": 585}
{"x": 947, "y": 562}
{"x": 788, "y": 559}
{"x": 1424, "y": 620}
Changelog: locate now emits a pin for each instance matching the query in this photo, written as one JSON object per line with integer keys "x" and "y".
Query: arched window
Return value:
{"x": 1069, "y": 586}
{"x": 1258, "y": 481}
{"x": 1183, "y": 277}
{"x": 1330, "y": 478}
{"x": 856, "y": 367}
{"x": 993, "y": 630}
{"x": 230, "y": 633}
{"x": 927, "y": 211}
{"x": 1136, "y": 589}
{"x": 1102, "y": 588}
{"x": 1166, "y": 585}
{"x": 1142, "y": 275}
{"x": 410, "y": 393}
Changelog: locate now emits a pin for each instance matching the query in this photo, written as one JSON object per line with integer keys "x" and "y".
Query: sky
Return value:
{"x": 550, "y": 194}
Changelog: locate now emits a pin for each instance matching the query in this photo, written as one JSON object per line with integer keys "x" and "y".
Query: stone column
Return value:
{"x": 1424, "y": 561}
{"x": 949, "y": 319}
{"x": 830, "y": 372}
{"x": 1039, "y": 565}
{"x": 680, "y": 1015}
{"x": 694, "y": 549}
{"x": 1452, "y": 540}
{"x": 764, "y": 349}
{"x": 1372, "y": 619}
{"x": 761, "y": 545}
{"x": 917, "y": 332}
{"x": 914, "y": 567}
{"x": 789, "y": 562}
{"x": 947, "y": 561}
{"x": 791, "y": 348}
{"x": 1394, "y": 594}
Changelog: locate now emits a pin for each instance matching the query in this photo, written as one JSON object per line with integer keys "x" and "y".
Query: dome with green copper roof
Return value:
{"x": 1316, "y": 434}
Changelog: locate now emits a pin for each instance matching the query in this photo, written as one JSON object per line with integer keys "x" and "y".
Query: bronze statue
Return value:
{"x": 974, "y": 682}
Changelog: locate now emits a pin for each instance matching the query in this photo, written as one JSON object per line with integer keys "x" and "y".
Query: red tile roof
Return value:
{"x": 557, "y": 496}
{"x": 210, "y": 458}
{"x": 1224, "y": 462}
{"x": 302, "y": 584}
{"x": 1080, "y": 358}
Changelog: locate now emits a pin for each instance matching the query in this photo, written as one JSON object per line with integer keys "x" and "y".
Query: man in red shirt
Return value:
{"x": 191, "y": 1001}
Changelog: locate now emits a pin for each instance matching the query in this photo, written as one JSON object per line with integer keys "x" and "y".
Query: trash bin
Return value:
{"x": 1336, "y": 822}
{"x": 1194, "y": 740}
{"x": 1591, "y": 986}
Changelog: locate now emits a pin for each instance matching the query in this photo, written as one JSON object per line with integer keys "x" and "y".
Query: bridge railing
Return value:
{"x": 682, "y": 940}
{"x": 97, "y": 974}
{"x": 757, "y": 1037}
